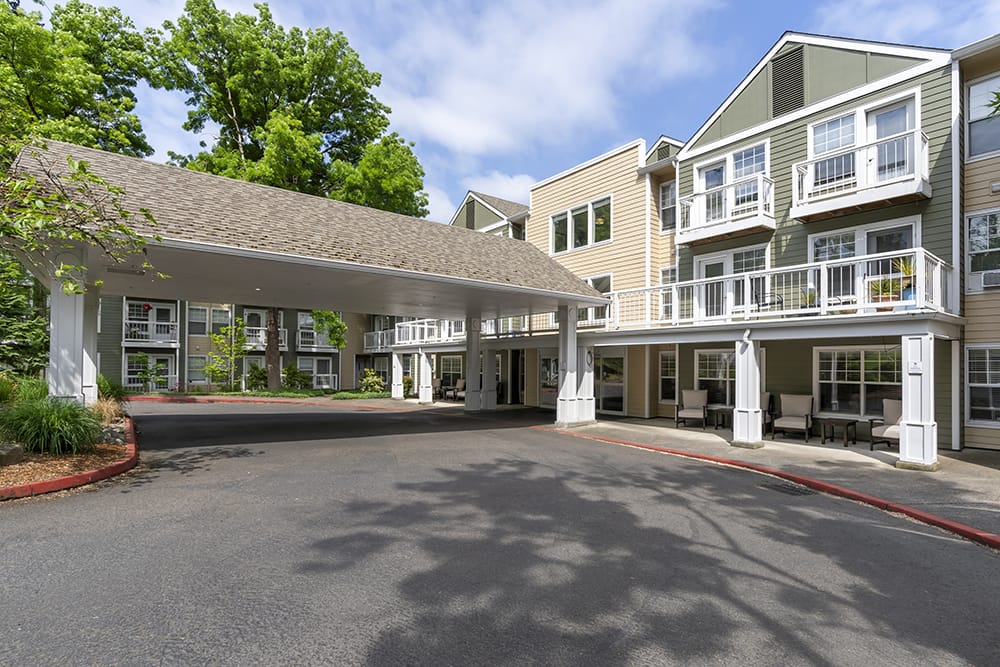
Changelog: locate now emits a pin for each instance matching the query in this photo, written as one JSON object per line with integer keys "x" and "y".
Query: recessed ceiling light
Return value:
{"x": 256, "y": 289}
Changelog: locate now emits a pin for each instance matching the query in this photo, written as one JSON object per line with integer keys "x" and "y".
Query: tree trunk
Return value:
{"x": 272, "y": 355}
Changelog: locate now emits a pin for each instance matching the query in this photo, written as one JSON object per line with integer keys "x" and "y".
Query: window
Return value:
{"x": 220, "y": 318}
{"x": 196, "y": 369}
{"x": 984, "y": 130}
{"x": 582, "y": 226}
{"x": 382, "y": 368}
{"x": 668, "y": 376}
{"x": 306, "y": 321}
{"x": 828, "y": 137}
{"x": 136, "y": 311}
{"x": 715, "y": 371}
{"x": 668, "y": 206}
{"x": 738, "y": 168}
{"x": 983, "y": 378}
{"x": 854, "y": 381}
{"x": 746, "y": 163}
{"x": 451, "y": 370}
{"x": 197, "y": 321}
{"x": 984, "y": 242}
{"x": 598, "y": 313}
{"x": 668, "y": 276}
{"x": 846, "y": 243}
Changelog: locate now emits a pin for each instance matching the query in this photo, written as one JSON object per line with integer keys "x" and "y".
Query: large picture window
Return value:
{"x": 984, "y": 129}
{"x": 854, "y": 381}
{"x": 984, "y": 242}
{"x": 582, "y": 226}
{"x": 983, "y": 377}
{"x": 451, "y": 369}
{"x": 715, "y": 371}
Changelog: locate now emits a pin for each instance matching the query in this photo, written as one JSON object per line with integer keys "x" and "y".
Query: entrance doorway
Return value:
{"x": 609, "y": 381}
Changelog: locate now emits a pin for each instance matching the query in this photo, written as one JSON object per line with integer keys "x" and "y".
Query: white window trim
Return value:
{"x": 969, "y": 289}
{"x": 728, "y": 255}
{"x": 187, "y": 379}
{"x": 590, "y": 319}
{"x": 211, "y": 320}
{"x": 969, "y": 158}
{"x": 663, "y": 268}
{"x": 659, "y": 377}
{"x": 590, "y": 231}
{"x": 816, "y": 383}
{"x": 728, "y": 159}
{"x": 861, "y": 118}
{"x": 861, "y": 232}
{"x": 718, "y": 350}
{"x": 967, "y": 419}
{"x": 677, "y": 211}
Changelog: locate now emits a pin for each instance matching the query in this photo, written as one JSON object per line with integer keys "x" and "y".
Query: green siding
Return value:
{"x": 943, "y": 392}
{"x": 484, "y": 217}
{"x": 830, "y": 72}
{"x": 109, "y": 341}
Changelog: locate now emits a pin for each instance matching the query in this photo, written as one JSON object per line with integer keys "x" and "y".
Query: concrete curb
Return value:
{"x": 232, "y": 399}
{"x": 968, "y": 532}
{"x": 79, "y": 479}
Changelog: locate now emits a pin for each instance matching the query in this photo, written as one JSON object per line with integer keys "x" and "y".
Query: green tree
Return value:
{"x": 329, "y": 323}
{"x": 149, "y": 374}
{"x": 228, "y": 347}
{"x": 24, "y": 338}
{"x": 388, "y": 177}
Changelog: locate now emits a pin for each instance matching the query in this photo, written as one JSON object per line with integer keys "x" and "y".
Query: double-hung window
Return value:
{"x": 582, "y": 226}
{"x": 837, "y": 171}
{"x": 746, "y": 164}
{"x": 451, "y": 370}
{"x": 668, "y": 276}
{"x": 984, "y": 129}
{"x": 730, "y": 185}
{"x": 668, "y": 376}
{"x": 668, "y": 206}
{"x": 196, "y": 369}
{"x": 983, "y": 378}
{"x": 197, "y": 321}
{"x": 984, "y": 241}
{"x": 715, "y": 371}
{"x": 220, "y": 318}
{"x": 854, "y": 381}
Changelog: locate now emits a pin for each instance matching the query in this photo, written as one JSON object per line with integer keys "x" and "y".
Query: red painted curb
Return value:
{"x": 228, "y": 399}
{"x": 88, "y": 477}
{"x": 968, "y": 532}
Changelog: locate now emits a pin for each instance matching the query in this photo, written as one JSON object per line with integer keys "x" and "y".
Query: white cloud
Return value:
{"x": 513, "y": 187}
{"x": 941, "y": 23}
{"x": 440, "y": 205}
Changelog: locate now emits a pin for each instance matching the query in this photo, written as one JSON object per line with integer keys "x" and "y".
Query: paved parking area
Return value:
{"x": 305, "y": 534}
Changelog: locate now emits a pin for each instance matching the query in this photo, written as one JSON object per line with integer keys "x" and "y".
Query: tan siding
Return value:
{"x": 985, "y": 438}
{"x": 531, "y": 361}
{"x": 624, "y": 255}
{"x": 636, "y": 391}
{"x": 357, "y": 324}
{"x": 943, "y": 392}
{"x": 982, "y": 313}
{"x": 978, "y": 177}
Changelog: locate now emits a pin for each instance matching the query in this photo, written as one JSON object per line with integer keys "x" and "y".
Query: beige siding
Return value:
{"x": 978, "y": 177}
{"x": 985, "y": 438}
{"x": 982, "y": 313}
{"x": 357, "y": 325}
{"x": 624, "y": 256}
{"x": 531, "y": 361}
{"x": 636, "y": 385}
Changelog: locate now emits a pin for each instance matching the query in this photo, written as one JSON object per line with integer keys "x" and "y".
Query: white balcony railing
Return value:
{"x": 742, "y": 205}
{"x": 889, "y": 168}
{"x": 309, "y": 339}
{"x": 380, "y": 341}
{"x": 326, "y": 381}
{"x": 159, "y": 383}
{"x": 257, "y": 338}
{"x": 149, "y": 333}
{"x": 886, "y": 282}
{"x": 416, "y": 332}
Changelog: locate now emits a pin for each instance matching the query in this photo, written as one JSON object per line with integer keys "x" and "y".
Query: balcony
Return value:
{"x": 257, "y": 338}
{"x": 380, "y": 341}
{"x": 309, "y": 340}
{"x": 164, "y": 382}
{"x": 869, "y": 285}
{"x": 890, "y": 171}
{"x": 734, "y": 209}
{"x": 143, "y": 333}
{"x": 417, "y": 332}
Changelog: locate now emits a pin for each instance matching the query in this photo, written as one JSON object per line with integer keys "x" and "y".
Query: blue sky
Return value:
{"x": 499, "y": 95}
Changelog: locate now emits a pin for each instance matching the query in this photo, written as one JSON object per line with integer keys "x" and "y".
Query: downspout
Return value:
{"x": 958, "y": 266}
{"x": 649, "y": 240}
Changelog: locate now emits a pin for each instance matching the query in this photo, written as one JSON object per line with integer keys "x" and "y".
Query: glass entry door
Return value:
{"x": 893, "y": 158}
{"x": 713, "y": 294}
{"x": 609, "y": 381}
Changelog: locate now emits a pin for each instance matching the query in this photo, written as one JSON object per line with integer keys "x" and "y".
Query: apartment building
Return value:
{"x": 135, "y": 334}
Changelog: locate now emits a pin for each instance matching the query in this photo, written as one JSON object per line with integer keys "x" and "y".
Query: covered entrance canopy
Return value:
{"x": 237, "y": 242}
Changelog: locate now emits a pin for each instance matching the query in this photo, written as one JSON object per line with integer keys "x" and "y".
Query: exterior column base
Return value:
{"x": 747, "y": 445}
{"x": 425, "y": 396}
{"x": 925, "y": 467}
{"x": 473, "y": 400}
{"x": 489, "y": 400}
{"x": 747, "y": 425}
{"x": 575, "y": 424}
{"x": 397, "y": 392}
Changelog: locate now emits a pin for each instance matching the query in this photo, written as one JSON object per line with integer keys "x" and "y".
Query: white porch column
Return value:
{"x": 566, "y": 403}
{"x": 65, "y": 373}
{"x": 91, "y": 300}
{"x": 586, "y": 406}
{"x": 425, "y": 394}
{"x": 397, "y": 376}
{"x": 489, "y": 392}
{"x": 473, "y": 365}
{"x": 747, "y": 424}
{"x": 917, "y": 428}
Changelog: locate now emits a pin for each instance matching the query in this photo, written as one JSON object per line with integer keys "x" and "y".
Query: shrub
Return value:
{"x": 296, "y": 379}
{"x": 109, "y": 389}
{"x": 256, "y": 378}
{"x": 8, "y": 388}
{"x": 371, "y": 383}
{"x": 107, "y": 410}
{"x": 407, "y": 385}
{"x": 50, "y": 426}
{"x": 31, "y": 389}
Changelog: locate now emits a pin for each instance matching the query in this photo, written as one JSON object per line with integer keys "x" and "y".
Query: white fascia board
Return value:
{"x": 461, "y": 206}
{"x": 664, "y": 139}
{"x": 637, "y": 143}
{"x": 503, "y": 218}
{"x": 198, "y": 246}
{"x": 974, "y": 49}
{"x": 934, "y": 59}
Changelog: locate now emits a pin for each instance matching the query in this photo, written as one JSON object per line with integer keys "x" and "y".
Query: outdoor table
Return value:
{"x": 849, "y": 425}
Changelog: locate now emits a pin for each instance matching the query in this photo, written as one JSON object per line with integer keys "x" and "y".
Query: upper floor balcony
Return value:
{"x": 416, "y": 332}
{"x": 419, "y": 332}
{"x": 380, "y": 341}
{"x": 310, "y": 340}
{"x": 257, "y": 338}
{"x": 147, "y": 333}
{"x": 733, "y": 209}
{"x": 868, "y": 285}
{"x": 886, "y": 172}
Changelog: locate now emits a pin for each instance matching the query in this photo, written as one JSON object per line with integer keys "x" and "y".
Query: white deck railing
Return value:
{"x": 154, "y": 333}
{"x": 380, "y": 341}
{"x": 730, "y": 203}
{"x": 257, "y": 338}
{"x": 159, "y": 383}
{"x": 890, "y": 281}
{"x": 309, "y": 338}
{"x": 895, "y": 159}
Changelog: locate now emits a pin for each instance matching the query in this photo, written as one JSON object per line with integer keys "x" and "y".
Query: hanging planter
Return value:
{"x": 146, "y": 307}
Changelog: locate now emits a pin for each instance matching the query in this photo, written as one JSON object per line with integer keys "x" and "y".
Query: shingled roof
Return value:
{"x": 510, "y": 209}
{"x": 204, "y": 208}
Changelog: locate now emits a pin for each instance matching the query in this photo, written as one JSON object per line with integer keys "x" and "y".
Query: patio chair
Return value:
{"x": 796, "y": 415}
{"x": 694, "y": 405}
{"x": 458, "y": 393}
{"x": 436, "y": 388}
{"x": 886, "y": 428}
{"x": 766, "y": 411}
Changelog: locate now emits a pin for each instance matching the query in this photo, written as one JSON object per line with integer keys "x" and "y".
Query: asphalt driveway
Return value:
{"x": 274, "y": 534}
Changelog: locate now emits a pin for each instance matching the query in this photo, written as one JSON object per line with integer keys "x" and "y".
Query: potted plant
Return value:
{"x": 882, "y": 289}
{"x": 906, "y": 268}
{"x": 809, "y": 299}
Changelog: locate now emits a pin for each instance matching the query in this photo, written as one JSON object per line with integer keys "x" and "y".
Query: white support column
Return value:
{"x": 425, "y": 394}
{"x": 586, "y": 407}
{"x": 66, "y": 316}
{"x": 917, "y": 428}
{"x": 747, "y": 421}
{"x": 91, "y": 301}
{"x": 566, "y": 403}
{"x": 473, "y": 365}
{"x": 489, "y": 392}
{"x": 397, "y": 376}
